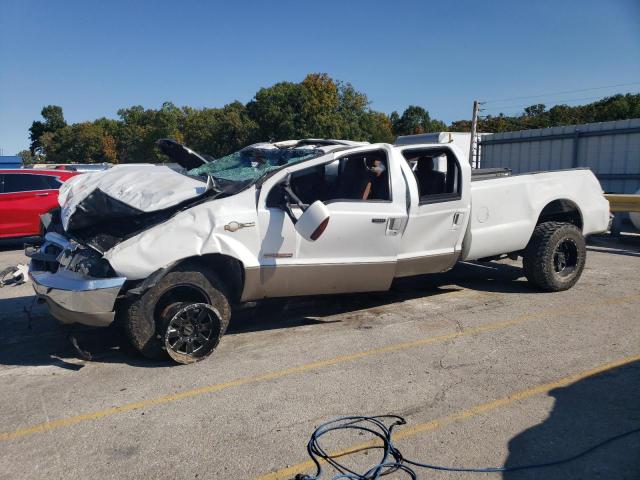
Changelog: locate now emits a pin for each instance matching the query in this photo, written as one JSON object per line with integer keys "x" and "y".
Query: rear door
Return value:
{"x": 24, "y": 197}
{"x": 439, "y": 211}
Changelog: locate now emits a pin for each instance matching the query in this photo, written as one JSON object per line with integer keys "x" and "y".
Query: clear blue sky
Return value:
{"x": 93, "y": 57}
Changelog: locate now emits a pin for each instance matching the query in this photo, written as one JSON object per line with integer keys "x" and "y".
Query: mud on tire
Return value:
{"x": 145, "y": 318}
{"x": 555, "y": 256}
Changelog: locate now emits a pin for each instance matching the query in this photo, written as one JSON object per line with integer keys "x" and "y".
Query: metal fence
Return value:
{"x": 610, "y": 149}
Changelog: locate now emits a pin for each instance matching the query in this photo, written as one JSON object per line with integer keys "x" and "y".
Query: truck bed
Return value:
{"x": 506, "y": 209}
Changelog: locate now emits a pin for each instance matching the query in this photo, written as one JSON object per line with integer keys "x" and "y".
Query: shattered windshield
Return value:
{"x": 249, "y": 164}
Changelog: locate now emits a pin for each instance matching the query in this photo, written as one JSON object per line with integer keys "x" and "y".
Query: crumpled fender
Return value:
{"x": 196, "y": 231}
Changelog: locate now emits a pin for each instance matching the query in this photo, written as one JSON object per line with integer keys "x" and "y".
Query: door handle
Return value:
{"x": 378, "y": 220}
{"x": 457, "y": 217}
{"x": 42, "y": 194}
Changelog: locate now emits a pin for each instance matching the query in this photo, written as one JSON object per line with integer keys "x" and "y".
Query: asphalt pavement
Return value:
{"x": 486, "y": 371}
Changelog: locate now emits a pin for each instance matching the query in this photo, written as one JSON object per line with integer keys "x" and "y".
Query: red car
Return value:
{"x": 24, "y": 196}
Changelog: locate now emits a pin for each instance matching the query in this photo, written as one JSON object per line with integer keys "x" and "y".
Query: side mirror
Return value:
{"x": 313, "y": 221}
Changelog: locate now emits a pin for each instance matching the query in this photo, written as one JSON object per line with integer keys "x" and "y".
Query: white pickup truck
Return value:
{"x": 167, "y": 254}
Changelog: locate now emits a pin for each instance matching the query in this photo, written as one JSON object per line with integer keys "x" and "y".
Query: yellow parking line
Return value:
{"x": 289, "y": 472}
{"x": 65, "y": 422}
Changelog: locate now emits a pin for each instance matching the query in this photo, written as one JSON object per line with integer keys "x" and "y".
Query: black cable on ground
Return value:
{"x": 393, "y": 461}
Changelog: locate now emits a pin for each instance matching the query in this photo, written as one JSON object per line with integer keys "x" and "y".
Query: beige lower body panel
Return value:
{"x": 407, "y": 267}
{"x": 297, "y": 280}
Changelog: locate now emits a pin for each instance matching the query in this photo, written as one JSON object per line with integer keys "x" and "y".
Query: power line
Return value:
{"x": 561, "y": 93}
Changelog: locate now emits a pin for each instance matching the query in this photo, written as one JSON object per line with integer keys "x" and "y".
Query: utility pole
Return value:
{"x": 474, "y": 130}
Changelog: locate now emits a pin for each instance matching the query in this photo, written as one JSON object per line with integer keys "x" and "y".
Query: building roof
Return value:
{"x": 10, "y": 161}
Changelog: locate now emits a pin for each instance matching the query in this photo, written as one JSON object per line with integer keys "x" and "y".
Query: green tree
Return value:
{"x": 316, "y": 107}
{"x": 394, "y": 117}
{"x": 376, "y": 127}
{"x": 53, "y": 121}
{"x": 319, "y": 114}
{"x": 562, "y": 115}
{"x": 415, "y": 120}
{"x": 617, "y": 107}
{"x": 460, "y": 126}
{"x": 142, "y": 127}
{"x": 354, "y": 115}
{"x": 219, "y": 131}
{"x": 535, "y": 110}
{"x": 27, "y": 157}
{"x": 276, "y": 111}
{"x": 86, "y": 142}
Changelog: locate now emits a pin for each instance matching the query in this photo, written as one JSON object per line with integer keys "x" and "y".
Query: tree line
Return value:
{"x": 616, "y": 107}
{"x": 317, "y": 107}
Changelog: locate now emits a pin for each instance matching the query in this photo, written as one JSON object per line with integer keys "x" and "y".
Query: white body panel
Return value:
{"x": 504, "y": 210}
{"x": 435, "y": 229}
{"x": 196, "y": 231}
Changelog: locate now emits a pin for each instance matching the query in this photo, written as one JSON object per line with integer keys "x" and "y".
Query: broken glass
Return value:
{"x": 249, "y": 164}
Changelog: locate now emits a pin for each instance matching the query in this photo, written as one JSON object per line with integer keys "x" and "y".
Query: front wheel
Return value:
{"x": 555, "y": 256}
{"x": 182, "y": 317}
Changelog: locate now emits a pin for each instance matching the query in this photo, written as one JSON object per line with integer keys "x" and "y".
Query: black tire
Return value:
{"x": 145, "y": 318}
{"x": 555, "y": 256}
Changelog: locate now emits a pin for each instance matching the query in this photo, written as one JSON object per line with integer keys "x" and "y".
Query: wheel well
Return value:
{"x": 561, "y": 210}
{"x": 230, "y": 271}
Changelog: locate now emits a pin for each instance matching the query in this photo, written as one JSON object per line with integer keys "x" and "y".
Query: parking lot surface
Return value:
{"x": 487, "y": 372}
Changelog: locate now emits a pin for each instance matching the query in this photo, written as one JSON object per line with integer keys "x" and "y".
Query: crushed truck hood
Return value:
{"x": 124, "y": 191}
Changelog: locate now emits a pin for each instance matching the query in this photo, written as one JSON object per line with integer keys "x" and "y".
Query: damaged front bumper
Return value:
{"x": 61, "y": 275}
